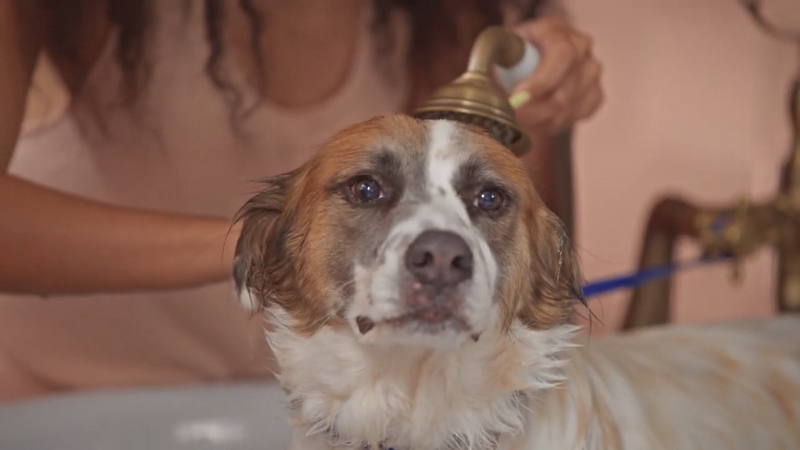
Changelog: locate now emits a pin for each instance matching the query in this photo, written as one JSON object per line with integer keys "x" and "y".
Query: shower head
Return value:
{"x": 476, "y": 98}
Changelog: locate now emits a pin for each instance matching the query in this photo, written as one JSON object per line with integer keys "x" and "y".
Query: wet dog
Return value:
{"x": 420, "y": 296}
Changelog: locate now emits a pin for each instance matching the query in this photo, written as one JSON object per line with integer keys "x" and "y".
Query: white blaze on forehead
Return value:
{"x": 379, "y": 289}
{"x": 443, "y": 161}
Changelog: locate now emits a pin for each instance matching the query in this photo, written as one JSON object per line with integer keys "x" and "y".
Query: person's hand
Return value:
{"x": 565, "y": 87}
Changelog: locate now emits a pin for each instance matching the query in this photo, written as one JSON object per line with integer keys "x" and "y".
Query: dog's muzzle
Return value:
{"x": 437, "y": 262}
{"x": 432, "y": 283}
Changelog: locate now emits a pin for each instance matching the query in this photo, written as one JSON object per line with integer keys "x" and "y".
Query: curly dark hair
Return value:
{"x": 439, "y": 31}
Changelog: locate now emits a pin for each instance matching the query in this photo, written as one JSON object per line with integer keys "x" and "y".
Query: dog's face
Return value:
{"x": 408, "y": 232}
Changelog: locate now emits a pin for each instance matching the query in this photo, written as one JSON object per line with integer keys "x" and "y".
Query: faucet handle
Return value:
{"x": 725, "y": 233}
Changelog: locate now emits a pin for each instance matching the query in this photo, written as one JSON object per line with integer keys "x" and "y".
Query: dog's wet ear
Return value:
{"x": 265, "y": 222}
{"x": 555, "y": 273}
{"x": 242, "y": 291}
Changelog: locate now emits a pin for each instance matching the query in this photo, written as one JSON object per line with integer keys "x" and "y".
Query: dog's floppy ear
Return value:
{"x": 556, "y": 275}
{"x": 260, "y": 256}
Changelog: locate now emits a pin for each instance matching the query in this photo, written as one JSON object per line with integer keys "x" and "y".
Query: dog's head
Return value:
{"x": 404, "y": 231}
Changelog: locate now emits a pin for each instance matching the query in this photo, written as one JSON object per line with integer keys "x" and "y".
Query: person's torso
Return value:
{"x": 175, "y": 151}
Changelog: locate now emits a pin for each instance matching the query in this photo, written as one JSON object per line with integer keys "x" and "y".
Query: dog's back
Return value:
{"x": 722, "y": 386}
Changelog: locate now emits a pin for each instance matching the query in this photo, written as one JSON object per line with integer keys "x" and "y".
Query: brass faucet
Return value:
{"x": 475, "y": 98}
{"x": 734, "y": 230}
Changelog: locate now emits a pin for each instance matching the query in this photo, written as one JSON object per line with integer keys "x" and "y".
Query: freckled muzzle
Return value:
{"x": 430, "y": 282}
{"x": 433, "y": 282}
{"x": 436, "y": 263}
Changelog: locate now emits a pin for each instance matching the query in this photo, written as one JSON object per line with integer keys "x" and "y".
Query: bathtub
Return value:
{"x": 214, "y": 417}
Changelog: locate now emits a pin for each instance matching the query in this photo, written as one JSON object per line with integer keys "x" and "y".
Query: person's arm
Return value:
{"x": 53, "y": 243}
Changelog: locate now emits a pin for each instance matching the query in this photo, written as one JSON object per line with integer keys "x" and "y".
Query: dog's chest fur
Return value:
{"x": 341, "y": 392}
{"x": 666, "y": 389}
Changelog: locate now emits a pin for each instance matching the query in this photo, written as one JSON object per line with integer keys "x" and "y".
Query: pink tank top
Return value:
{"x": 176, "y": 152}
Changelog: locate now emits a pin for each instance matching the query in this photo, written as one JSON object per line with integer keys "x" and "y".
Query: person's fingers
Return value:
{"x": 565, "y": 95}
{"x": 560, "y": 122}
{"x": 558, "y": 104}
{"x": 536, "y": 115}
{"x": 589, "y": 104}
{"x": 591, "y": 74}
{"x": 589, "y": 93}
{"x": 566, "y": 86}
{"x": 583, "y": 44}
{"x": 558, "y": 56}
{"x": 556, "y": 114}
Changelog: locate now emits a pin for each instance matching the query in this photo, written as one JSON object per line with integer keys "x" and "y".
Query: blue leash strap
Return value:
{"x": 643, "y": 276}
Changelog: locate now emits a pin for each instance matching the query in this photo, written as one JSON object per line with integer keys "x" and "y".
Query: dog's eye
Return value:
{"x": 490, "y": 199}
{"x": 366, "y": 190}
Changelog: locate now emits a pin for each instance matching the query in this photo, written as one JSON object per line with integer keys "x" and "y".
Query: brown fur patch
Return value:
{"x": 543, "y": 279}
{"x": 285, "y": 251}
{"x": 556, "y": 280}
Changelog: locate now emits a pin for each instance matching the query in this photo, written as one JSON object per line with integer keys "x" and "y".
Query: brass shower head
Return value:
{"x": 477, "y": 99}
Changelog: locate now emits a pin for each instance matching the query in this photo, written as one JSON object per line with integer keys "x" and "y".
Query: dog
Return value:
{"x": 420, "y": 296}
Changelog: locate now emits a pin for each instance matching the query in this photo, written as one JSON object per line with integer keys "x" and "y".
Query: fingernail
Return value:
{"x": 518, "y": 99}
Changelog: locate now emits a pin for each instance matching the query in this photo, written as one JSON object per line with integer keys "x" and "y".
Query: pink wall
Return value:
{"x": 696, "y": 105}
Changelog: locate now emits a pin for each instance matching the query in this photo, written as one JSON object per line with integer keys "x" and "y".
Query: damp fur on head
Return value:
{"x": 500, "y": 132}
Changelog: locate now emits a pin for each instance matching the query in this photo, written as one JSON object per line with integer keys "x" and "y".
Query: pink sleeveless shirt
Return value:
{"x": 174, "y": 152}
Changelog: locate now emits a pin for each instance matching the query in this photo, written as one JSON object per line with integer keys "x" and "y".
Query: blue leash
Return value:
{"x": 643, "y": 276}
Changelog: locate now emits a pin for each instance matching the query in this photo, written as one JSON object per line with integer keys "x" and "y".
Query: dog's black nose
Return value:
{"x": 439, "y": 258}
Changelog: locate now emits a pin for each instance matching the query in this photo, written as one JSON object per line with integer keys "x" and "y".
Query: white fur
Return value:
{"x": 444, "y": 159}
{"x": 376, "y": 288}
{"x": 416, "y": 398}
